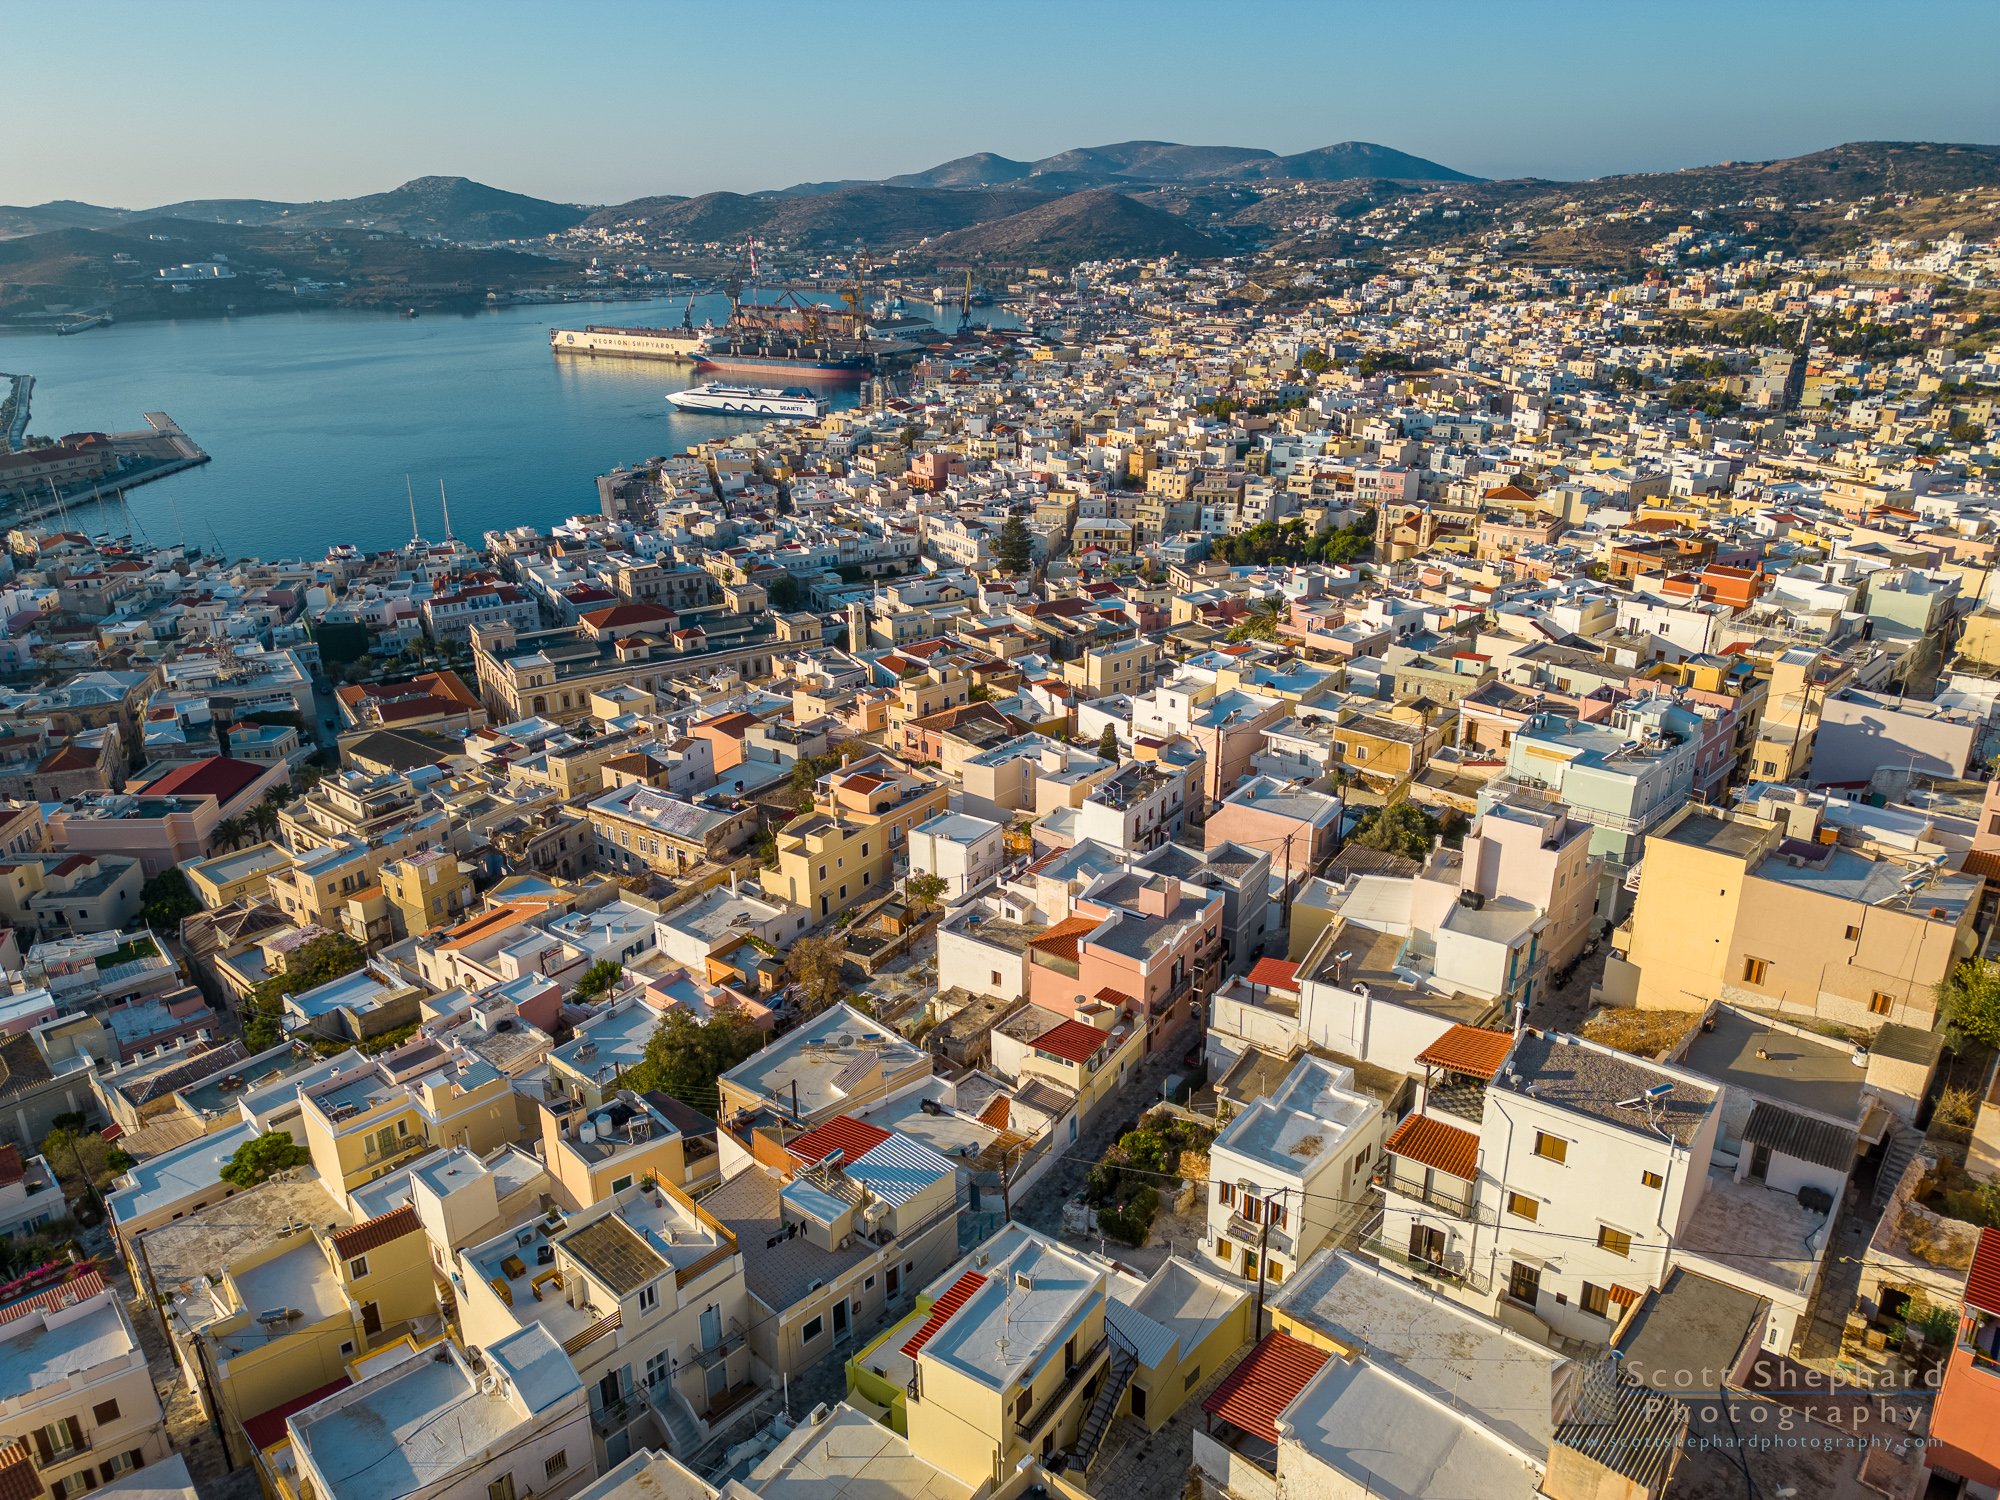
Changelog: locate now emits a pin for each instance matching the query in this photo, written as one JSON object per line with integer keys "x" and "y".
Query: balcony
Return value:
{"x": 1454, "y": 1201}
{"x": 1246, "y": 1233}
{"x": 1399, "y": 1257}
{"x": 615, "y": 1418}
{"x": 1458, "y": 1095}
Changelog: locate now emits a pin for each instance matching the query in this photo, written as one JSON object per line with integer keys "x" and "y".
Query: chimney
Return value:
{"x": 1160, "y": 896}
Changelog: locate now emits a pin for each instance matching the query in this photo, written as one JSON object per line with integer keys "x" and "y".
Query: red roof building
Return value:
{"x": 956, "y": 1296}
{"x": 1073, "y": 1041}
{"x": 220, "y": 776}
{"x": 852, "y": 1138}
{"x": 1253, "y": 1394}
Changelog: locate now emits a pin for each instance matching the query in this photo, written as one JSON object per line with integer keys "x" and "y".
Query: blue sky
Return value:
{"x": 603, "y": 100}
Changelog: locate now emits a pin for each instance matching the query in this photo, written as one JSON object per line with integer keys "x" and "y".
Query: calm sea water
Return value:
{"x": 312, "y": 419}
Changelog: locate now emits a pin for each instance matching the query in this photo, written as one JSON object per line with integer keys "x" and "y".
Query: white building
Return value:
{"x": 76, "y": 1392}
{"x": 434, "y": 1424}
{"x": 1279, "y": 1173}
{"x": 963, "y": 851}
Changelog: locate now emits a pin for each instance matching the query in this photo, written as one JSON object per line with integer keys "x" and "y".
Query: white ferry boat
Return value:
{"x": 748, "y": 401}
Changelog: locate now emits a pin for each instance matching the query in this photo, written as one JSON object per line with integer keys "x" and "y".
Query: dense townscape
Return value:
{"x": 1287, "y": 879}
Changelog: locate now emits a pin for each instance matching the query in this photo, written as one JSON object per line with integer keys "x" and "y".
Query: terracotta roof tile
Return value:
{"x": 1073, "y": 1041}
{"x": 1061, "y": 939}
{"x": 1471, "y": 1050}
{"x": 1982, "y": 1282}
{"x": 843, "y": 1133}
{"x": 380, "y": 1230}
{"x": 18, "y": 1478}
{"x": 1264, "y": 1384}
{"x": 1275, "y": 974}
{"x": 1436, "y": 1144}
{"x": 955, "y": 1297}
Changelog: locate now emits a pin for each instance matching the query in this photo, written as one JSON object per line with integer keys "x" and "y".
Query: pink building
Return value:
{"x": 1133, "y": 938}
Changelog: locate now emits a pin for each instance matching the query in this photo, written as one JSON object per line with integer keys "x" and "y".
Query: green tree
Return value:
{"x": 1015, "y": 550}
{"x": 598, "y": 979}
{"x": 925, "y": 891}
{"x": 165, "y": 901}
{"x": 230, "y": 833}
{"x": 685, "y": 1056}
{"x": 84, "y": 1162}
{"x": 1314, "y": 361}
{"x": 785, "y": 593}
{"x": 807, "y": 770}
{"x": 327, "y": 956}
{"x": 815, "y": 965}
{"x": 1403, "y": 828}
{"x": 261, "y": 1157}
{"x": 1107, "y": 744}
{"x": 1969, "y": 999}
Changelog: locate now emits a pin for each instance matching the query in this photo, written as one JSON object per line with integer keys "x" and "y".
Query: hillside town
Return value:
{"x": 1275, "y": 882}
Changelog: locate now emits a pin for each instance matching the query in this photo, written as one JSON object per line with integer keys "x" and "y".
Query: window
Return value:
{"x": 1853, "y": 932}
{"x": 357, "y": 1268}
{"x": 1597, "y": 1300}
{"x": 1754, "y": 970}
{"x": 1881, "y": 1003}
{"x": 619, "y": 1184}
{"x": 649, "y": 1298}
{"x": 1193, "y": 1379}
{"x": 501, "y": 1488}
{"x": 1617, "y": 1241}
{"x": 997, "y": 981}
{"x": 1523, "y": 1207}
{"x": 658, "y": 1368}
{"x": 123, "y": 1463}
{"x": 815, "y": 1326}
{"x": 77, "y": 1484}
{"x": 1652, "y": 1179}
{"x": 104, "y": 1411}
{"x": 347, "y": 1347}
{"x": 557, "y": 1463}
{"x": 1524, "y": 1283}
{"x": 868, "y": 1285}
{"x": 1551, "y": 1147}
{"x": 1021, "y": 1403}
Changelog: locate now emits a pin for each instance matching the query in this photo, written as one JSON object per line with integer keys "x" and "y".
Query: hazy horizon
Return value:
{"x": 605, "y": 102}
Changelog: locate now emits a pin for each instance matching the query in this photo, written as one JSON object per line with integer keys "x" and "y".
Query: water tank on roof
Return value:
{"x": 587, "y": 1132}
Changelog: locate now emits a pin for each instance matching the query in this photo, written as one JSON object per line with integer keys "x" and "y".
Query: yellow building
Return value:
{"x": 427, "y": 890}
{"x": 239, "y": 875}
{"x": 1801, "y": 680}
{"x": 846, "y": 849}
{"x": 370, "y": 1119}
{"x": 272, "y": 1293}
{"x": 1026, "y": 1347}
{"x": 595, "y": 1153}
{"x": 1783, "y": 913}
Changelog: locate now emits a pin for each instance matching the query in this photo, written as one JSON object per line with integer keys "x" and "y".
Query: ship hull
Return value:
{"x": 771, "y": 364}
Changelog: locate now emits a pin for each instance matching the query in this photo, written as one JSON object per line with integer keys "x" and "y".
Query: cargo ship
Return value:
{"x": 786, "y": 361}
{"x": 748, "y": 401}
{"x": 681, "y": 345}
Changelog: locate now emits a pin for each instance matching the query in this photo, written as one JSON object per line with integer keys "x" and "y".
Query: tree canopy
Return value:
{"x": 1015, "y": 550}
{"x": 327, "y": 956}
{"x": 1404, "y": 829}
{"x": 684, "y": 1056}
{"x": 261, "y": 1157}
{"x": 165, "y": 901}
{"x": 814, "y": 964}
{"x": 1969, "y": 998}
{"x": 598, "y": 978}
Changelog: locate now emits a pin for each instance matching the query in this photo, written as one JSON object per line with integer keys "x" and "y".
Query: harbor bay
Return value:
{"x": 314, "y": 419}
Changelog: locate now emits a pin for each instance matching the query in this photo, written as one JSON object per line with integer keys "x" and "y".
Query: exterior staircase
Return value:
{"x": 684, "y": 1436}
{"x": 1903, "y": 1144}
{"x": 1097, "y": 1421}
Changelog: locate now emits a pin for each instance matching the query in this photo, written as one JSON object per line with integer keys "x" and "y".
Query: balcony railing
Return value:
{"x": 1457, "y": 1203}
{"x": 1424, "y": 1270}
{"x": 1099, "y": 1355}
{"x": 619, "y": 1415}
{"x": 1247, "y": 1233}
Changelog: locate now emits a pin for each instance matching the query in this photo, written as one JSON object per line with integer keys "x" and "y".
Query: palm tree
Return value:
{"x": 231, "y": 832}
{"x": 264, "y": 818}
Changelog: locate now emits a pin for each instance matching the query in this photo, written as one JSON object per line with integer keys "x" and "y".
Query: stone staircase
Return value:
{"x": 1903, "y": 1144}
{"x": 684, "y": 1435}
{"x": 1090, "y": 1437}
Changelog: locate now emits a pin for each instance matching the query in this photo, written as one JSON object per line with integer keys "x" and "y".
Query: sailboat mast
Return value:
{"x": 447, "y": 510}
{"x": 415, "y": 534}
